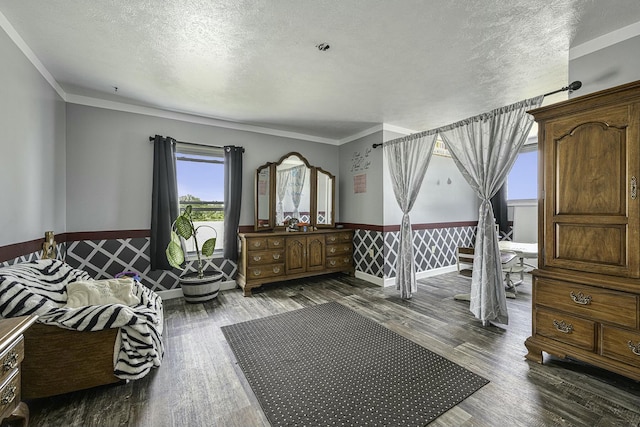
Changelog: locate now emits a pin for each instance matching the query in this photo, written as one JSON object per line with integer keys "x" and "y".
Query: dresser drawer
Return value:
{"x": 264, "y": 257}
{"x": 10, "y": 394}
{"x": 344, "y": 248}
{"x": 562, "y": 327}
{"x": 11, "y": 358}
{"x": 598, "y": 304}
{"x": 620, "y": 344}
{"x": 257, "y": 244}
{"x": 339, "y": 262}
{"x": 339, "y": 237}
{"x": 261, "y": 272}
{"x": 275, "y": 242}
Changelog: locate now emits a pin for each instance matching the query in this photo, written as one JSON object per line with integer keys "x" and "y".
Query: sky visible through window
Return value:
{"x": 522, "y": 182}
{"x": 202, "y": 180}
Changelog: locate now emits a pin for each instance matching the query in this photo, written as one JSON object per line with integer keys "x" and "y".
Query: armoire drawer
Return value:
{"x": 621, "y": 344}
{"x": 264, "y": 257}
{"x": 565, "y": 328}
{"x": 600, "y": 304}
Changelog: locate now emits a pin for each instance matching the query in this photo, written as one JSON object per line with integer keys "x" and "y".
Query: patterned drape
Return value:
{"x": 296, "y": 181}
{"x": 484, "y": 148}
{"x": 408, "y": 159}
{"x": 282, "y": 181}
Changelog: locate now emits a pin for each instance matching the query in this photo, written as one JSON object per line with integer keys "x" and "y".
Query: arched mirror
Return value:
{"x": 291, "y": 189}
{"x": 264, "y": 200}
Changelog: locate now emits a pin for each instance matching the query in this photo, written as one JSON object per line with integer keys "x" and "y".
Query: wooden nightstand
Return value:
{"x": 12, "y": 410}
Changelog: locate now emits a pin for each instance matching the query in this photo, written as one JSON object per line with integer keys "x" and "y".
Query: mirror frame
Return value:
{"x": 313, "y": 197}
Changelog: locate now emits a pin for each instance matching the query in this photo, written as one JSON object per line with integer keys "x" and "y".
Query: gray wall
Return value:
{"x": 608, "y": 67}
{"x": 359, "y": 158}
{"x": 110, "y": 161}
{"x": 32, "y": 163}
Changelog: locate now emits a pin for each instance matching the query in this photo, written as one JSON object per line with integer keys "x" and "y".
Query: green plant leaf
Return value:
{"x": 183, "y": 226}
{"x": 175, "y": 256}
{"x": 187, "y": 210}
{"x": 209, "y": 246}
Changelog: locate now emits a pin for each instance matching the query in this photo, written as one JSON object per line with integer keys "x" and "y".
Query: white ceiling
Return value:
{"x": 414, "y": 64}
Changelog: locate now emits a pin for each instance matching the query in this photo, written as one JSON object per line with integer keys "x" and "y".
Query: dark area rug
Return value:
{"x": 327, "y": 365}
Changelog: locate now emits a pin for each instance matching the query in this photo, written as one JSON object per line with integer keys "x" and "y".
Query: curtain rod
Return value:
{"x": 572, "y": 86}
{"x": 152, "y": 138}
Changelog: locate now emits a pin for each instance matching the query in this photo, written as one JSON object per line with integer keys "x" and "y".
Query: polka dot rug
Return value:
{"x": 327, "y": 365}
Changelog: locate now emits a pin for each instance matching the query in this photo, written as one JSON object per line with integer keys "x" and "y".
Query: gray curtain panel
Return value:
{"x": 164, "y": 200}
{"x": 232, "y": 199}
{"x": 408, "y": 159}
{"x": 484, "y": 148}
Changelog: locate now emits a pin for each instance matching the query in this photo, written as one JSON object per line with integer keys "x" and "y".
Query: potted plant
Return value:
{"x": 199, "y": 285}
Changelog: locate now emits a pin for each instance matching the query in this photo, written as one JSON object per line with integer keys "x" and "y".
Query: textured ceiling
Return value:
{"x": 415, "y": 64}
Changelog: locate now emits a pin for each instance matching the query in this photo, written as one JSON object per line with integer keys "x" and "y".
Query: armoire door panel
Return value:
{"x": 593, "y": 244}
{"x": 590, "y": 162}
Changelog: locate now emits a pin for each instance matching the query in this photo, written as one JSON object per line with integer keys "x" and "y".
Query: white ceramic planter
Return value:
{"x": 197, "y": 290}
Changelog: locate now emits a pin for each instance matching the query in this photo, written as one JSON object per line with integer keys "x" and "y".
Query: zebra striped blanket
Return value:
{"x": 39, "y": 287}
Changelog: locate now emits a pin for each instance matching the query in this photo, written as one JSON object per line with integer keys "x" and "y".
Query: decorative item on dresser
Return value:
{"x": 12, "y": 409}
{"x": 280, "y": 255}
{"x": 586, "y": 290}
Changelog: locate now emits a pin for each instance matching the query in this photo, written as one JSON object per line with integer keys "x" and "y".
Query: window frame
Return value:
{"x": 526, "y": 148}
{"x": 183, "y": 150}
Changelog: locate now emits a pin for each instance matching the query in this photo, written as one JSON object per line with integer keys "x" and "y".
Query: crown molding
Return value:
{"x": 26, "y": 50}
{"x": 605, "y": 40}
{"x": 190, "y": 118}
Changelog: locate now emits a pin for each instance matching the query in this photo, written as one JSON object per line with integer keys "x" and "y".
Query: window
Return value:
{"x": 200, "y": 176}
{"x": 522, "y": 181}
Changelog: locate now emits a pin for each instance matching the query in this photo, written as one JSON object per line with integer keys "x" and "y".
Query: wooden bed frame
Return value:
{"x": 58, "y": 360}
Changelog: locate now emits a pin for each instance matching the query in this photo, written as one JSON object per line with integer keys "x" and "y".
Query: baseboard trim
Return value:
{"x": 177, "y": 292}
{"x": 370, "y": 278}
{"x": 391, "y": 281}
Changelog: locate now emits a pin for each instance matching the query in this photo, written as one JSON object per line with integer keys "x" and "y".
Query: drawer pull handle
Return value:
{"x": 562, "y": 326}
{"x": 11, "y": 361}
{"x": 332, "y": 262}
{"x": 347, "y": 260}
{"x": 581, "y": 298}
{"x": 332, "y": 239}
{"x": 634, "y": 187}
{"x": 276, "y": 269}
{"x": 276, "y": 256}
{"x": 257, "y": 258}
{"x": 8, "y": 395}
{"x": 257, "y": 244}
{"x": 276, "y": 243}
{"x": 257, "y": 272}
{"x": 635, "y": 348}
{"x": 332, "y": 250}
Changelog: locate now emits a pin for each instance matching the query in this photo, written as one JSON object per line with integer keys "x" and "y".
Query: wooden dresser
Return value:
{"x": 11, "y": 355}
{"x": 276, "y": 256}
{"x": 586, "y": 290}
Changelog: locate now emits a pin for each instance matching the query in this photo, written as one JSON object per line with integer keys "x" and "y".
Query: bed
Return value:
{"x": 75, "y": 347}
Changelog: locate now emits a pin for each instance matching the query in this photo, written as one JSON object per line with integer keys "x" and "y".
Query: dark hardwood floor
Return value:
{"x": 200, "y": 384}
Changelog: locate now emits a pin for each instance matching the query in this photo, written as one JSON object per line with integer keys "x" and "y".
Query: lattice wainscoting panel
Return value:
{"x": 34, "y": 256}
{"x": 445, "y": 240}
{"x": 364, "y": 242}
{"x": 106, "y": 258}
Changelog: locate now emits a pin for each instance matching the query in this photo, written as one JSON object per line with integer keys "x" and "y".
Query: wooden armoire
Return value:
{"x": 586, "y": 289}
